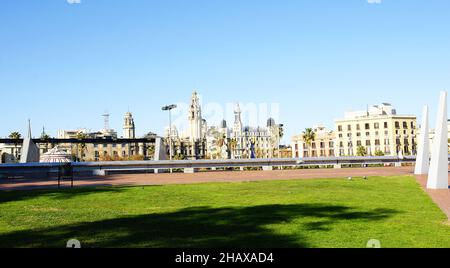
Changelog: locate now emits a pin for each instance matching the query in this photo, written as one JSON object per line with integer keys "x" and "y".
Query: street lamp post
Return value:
{"x": 170, "y": 108}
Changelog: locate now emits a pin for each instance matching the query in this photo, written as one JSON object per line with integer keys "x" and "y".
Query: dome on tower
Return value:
{"x": 223, "y": 124}
{"x": 271, "y": 122}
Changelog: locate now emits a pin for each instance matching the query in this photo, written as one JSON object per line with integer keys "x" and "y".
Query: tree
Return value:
{"x": 309, "y": 136}
{"x": 179, "y": 156}
{"x": 280, "y": 136}
{"x": 379, "y": 153}
{"x": 361, "y": 151}
{"x": 15, "y": 136}
{"x": 81, "y": 146}
{"x": 232, "y": 147}
{"x": 45, "y": 139}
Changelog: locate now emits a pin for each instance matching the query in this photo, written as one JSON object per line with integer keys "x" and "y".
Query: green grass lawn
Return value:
{"x": 303, "y": 213}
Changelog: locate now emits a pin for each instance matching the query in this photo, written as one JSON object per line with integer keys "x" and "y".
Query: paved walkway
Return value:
{"x": 203, "y": 177}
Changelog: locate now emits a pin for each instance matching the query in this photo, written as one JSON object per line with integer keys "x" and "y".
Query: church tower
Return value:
{"x": 237, "y": 129}
{"x": 195, "y": 118}
{"x": 129, "y": 130}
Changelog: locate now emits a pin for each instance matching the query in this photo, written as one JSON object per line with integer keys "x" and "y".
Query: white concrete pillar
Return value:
{"x": 423, "y": 153}
{"x": 267, "y": 168}
{"x": 438, "y": 174}
{"x": 189, "y": 170}
{"x": 337, "y": 166}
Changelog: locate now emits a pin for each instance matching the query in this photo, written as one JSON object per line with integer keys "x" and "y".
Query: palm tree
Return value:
{"x": 232, "y": 146}
{"x": 81, "y": 147}
{"x": 45, "y": 139}
{"x": 308, "y": 137}
{"x": 15, "y": 136}
{"x": 280, "y": 136}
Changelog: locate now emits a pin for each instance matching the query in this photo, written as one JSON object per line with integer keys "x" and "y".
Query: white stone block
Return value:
{"x": 438, "y": 173}
{"x": 267, "y": 168}
{"x": 423, "y": 153}
{"x": 189, "y": 170}
{"x": 99, "y": 172}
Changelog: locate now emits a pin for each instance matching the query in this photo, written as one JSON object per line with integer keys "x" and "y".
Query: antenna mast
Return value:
{"x": 106, "y": 120}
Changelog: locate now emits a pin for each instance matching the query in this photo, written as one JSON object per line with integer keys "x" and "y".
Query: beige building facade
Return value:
{"x": 379, "y": 130}
{"x": 322, "y": 146}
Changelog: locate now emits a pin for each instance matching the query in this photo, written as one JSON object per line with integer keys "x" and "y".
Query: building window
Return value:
{"x": 385, "y": 124}
{"x": 367, "y": 126}
{"x": 358, "y": 134}
{"x": 405, "y": 124}
{"x": 367, "y": 143}
{"x": 349, "y": 127}
{"x": 412, "y": 125}
{"x": 358, "y": 127}
{"x": 377, "y": 142}
{"x": 358, "y": 143}
{"x": 397, "y": 124}
{"x": 377, "y": 126}
{"x": 339, "y": 128}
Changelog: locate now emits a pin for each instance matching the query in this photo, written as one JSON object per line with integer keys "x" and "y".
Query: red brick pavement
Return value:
{"x": 203, "y": 177}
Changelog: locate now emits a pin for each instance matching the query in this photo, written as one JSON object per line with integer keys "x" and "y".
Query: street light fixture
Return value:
{"x": 170, "y": 108}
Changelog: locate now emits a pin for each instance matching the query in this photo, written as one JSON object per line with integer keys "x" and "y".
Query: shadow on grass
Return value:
{"x": 61, "y": 194}
{"x": 200, "y": 227}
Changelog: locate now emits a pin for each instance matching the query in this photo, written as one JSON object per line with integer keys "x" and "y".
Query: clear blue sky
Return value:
{"x": 63, "y": 65}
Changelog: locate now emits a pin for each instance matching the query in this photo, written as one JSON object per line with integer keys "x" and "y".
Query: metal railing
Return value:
{"x": 46, "y": 170}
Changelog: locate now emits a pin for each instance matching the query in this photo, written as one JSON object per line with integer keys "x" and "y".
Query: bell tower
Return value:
{"x": 195, "y": 118}
{"x": 129, "y": 130}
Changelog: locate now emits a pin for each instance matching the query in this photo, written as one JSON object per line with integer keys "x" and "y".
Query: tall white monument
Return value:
{"x": 423, "y": 154}
{"x": 30, "y": 152}
{"x": 438, "y": 175}
{"x": 195, "y": 118}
